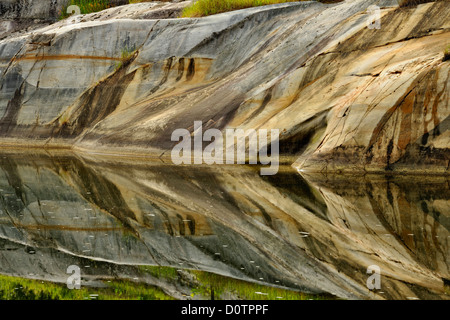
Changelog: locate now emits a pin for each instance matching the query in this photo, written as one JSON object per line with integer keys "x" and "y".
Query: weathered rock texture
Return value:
{"x": 346, "y": 97}
{"x": 16, "y": 15}
{"x": 278, "y": 230}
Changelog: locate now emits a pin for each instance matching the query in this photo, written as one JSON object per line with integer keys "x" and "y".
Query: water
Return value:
{"x": 314, "y": 234}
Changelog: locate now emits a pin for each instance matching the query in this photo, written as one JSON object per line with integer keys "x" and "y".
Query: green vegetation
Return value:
{"x": 139, "y": 1}
{"x": 126, "y": 55}
{"x": 208, "y": 7}
{"x": 90, "y": 6}
{"x": 245, "y": 290}
{"x": 198, "y": 9}
{"x": 160, "y": 272}
{"x": 25, "y": 289}
{"x": 447, "y": 53}
{"x": 222, "y": 287}
{"x": 202, "y": 284}
{"x": 447, "y": 287}
{"x": 126, "y": 290}
{"x": 203, "y": 8}
{"x": 86, "y": 6}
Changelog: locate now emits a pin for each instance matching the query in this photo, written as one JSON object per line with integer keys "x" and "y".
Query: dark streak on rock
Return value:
{"x": 12, "y": 110}
{"x": 191, "y": 70}
{"x": 180, "y": 69}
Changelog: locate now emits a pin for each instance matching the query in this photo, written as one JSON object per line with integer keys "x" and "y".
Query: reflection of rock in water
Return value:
{"x": 412, "y": 211}
{"x": 279, "y": 230}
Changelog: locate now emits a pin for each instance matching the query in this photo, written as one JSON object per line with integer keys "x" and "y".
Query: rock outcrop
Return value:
{"x": 344, "y": 96}
{"x": 26, "y": 15}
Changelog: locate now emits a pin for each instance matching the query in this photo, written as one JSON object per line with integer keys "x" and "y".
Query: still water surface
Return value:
{"x": 314, "y": 234}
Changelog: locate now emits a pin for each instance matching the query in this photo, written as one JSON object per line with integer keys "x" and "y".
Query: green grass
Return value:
{"x": 126, "y": 290}
{"x": 203, "y": 8}
{"x": 245, "y": 290}
{"x": 160, "y": 272}
{"x": 223, "y": 286}
{"x": 198, "y": 9}
{"x": 200, "y": 283}
{"x": 90, "y": 6}
{"x": 12, "y": 288}
{"x": 24, "y": 289}
{"x": 86, "y": 6}
{"x": 139, "y": 1}
{"x": 447, "y": 53}
{"x": 126, "y": 54}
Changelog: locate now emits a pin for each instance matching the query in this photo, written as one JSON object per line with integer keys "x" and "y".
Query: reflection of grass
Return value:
{"x": 126, "y": 290}
{"x": 208, "y": 282}
{"x": 90, "y": 6}
{"x": 245, "y": 290}
{"x": 24, "y": 289}
{"x": 201, "y": 283}
{"x": 160, "y": 272}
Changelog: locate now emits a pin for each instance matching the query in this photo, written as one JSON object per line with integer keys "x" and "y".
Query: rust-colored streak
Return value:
{"x": 65, "y": 57}
{"x": 405, "y": 127}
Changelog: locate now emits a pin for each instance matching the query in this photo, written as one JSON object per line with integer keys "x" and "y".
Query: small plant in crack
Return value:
{"x": 447, "y": 53}
{"x": 127, "y": 53}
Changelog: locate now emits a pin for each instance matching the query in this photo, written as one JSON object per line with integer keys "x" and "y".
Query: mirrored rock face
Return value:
{"x": 317, "y": 234}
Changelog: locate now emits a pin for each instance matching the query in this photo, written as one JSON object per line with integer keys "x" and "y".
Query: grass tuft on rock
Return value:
{"x": 203, "y": 8}
{"x": 86, "y": 6}
{"x": 447, "y": 53}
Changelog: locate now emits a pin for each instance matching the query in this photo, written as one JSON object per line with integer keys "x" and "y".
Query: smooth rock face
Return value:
{"x": 316, "y": 237}
{"x": 344, "y": 96}
{"x": 17, "y": 15}
{"x": 26, "y": 15}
